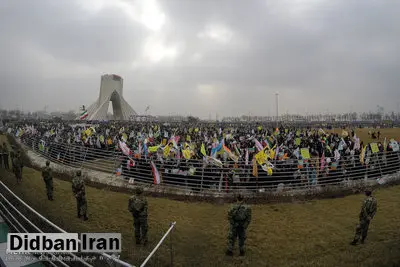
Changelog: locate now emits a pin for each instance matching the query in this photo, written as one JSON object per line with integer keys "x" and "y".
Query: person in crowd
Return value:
{"x": 48, "y": 180}
{"x": 239, "y": 218}
{"x": 78, "y": 189}
{"x": 138, "y": 206}
{"x": 367, "y": 213}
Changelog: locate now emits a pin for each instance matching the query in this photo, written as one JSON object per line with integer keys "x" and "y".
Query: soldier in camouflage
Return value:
{"x": 1, "y": 156}
{"x": 239, "y": 217}
{"x": 12, "y": 156}
{"x": 17, "y": 166}
{"x": 78, "y": 188}
{"x": 48, "y": 180}
{"x": 5, "y": 156}
{"x": 138, "y": 207}
{"x": 367, "y": 213}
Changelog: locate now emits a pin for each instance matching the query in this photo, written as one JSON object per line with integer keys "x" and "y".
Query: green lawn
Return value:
{"x": 315, "y": 233}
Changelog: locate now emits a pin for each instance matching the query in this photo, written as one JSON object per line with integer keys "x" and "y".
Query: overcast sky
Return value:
{"x": 202, "y": 57}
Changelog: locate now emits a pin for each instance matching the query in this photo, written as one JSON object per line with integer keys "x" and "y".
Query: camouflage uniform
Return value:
{"x": 12, "y": 156}
{"x": 138, "y": 207}
{"x": 368, "y": 210}
{"x": 5, "y": 157}
{"x": 1, "y": 156}
{"x": 239, "y": 217}
{"x": 48, "y": 179}
{"x": 78, "y": 188}
{"x": 17, "y": 167}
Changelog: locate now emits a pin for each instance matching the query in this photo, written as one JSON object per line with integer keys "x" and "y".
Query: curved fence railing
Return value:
{"x": 200, "y": 176}
{"x": 24, "y": 219}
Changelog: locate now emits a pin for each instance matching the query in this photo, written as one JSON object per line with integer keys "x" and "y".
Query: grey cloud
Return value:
{"x": 336, "y": 55}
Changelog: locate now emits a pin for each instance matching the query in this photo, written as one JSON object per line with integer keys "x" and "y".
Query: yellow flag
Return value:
{"x": 167, "y": 150}
{"x": 186, "y": 153}
{"x": 269, "y": 171}
{"x": 261, "y": 157}
{"x": 255, "y": 168}
{"x": 362, "y": 155}
{"x": 153, "y": 149}
{"x": 203, "y": 150}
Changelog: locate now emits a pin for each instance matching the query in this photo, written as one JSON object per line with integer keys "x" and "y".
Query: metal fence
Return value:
{"x": 200, "y": 176}
{"x": 24, "y": 219}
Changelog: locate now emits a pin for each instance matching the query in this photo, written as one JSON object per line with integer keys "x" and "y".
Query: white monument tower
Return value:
{"x": 110, "y": 90}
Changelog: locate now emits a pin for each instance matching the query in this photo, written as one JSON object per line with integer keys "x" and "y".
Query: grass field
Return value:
{"x": 315, "y": 233}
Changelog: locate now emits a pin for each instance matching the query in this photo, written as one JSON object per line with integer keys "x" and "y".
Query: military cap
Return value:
{"x": 138, "y": 190}
{"x": 78, "y": 173}
{"x": 239, "y": 197}
{"x": 47, "y": 163}
{"x": 368, "y": 191}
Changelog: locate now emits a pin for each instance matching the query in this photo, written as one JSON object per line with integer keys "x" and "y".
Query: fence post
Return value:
{"x": 170, "y": 247}
{"x": 202, "y": 177}
{"x": 84, "y": 157}
{"x": 379, "y": 163}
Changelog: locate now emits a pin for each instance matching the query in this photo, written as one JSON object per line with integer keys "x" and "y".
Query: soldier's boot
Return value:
{"x": 362, "y": 240}
{"x": 85, "y": 218}
{"x": 138, "y": 241}
{"x": 242, "y": 252}
{"x": 228, "y": 252}
{"x": 354, "y": 242}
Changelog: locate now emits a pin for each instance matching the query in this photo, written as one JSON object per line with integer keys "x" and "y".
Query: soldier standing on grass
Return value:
{"x": 78, "y": 188}
{"x": 5, "y": 157}
{"x": 12, "y": 156}
{"x": 17, "y": 167}
{"x": 367, "y": 213}
{"x": 48, "y": 179}
{"x": 239, "y": 217}
{"x": 1, "y": 156}
{"x": 138, "y": 207}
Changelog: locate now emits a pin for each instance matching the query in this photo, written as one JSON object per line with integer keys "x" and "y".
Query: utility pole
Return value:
{"x": 277, "y": 106}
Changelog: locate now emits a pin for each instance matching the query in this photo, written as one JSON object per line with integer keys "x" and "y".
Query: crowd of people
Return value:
{"x": 221, "y": 155}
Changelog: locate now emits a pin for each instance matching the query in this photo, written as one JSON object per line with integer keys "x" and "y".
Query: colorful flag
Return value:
{"x": 230, "y": 154}
{"x": 217, "y": 148}
{"x": 362, "y": 155}
{"x": 156, "y": 174}
{"x": 255, "y": 168}
{"x": 167, "y": 150}
{"x": 83, "y": 115}
{"x": 258, "y": 145}
{"x": 186, "y": 153}
{"x": 322, "y": 161}
{"x": 203, "y": 150}
{"x": 124, "y": 148}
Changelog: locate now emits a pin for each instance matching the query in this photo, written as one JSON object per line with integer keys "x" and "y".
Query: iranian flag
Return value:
{"x": 156, "y": 174}
{"x": 84, "y": 115}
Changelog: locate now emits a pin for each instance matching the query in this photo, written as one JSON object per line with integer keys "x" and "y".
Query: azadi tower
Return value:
{"x": 110, "y": 90}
